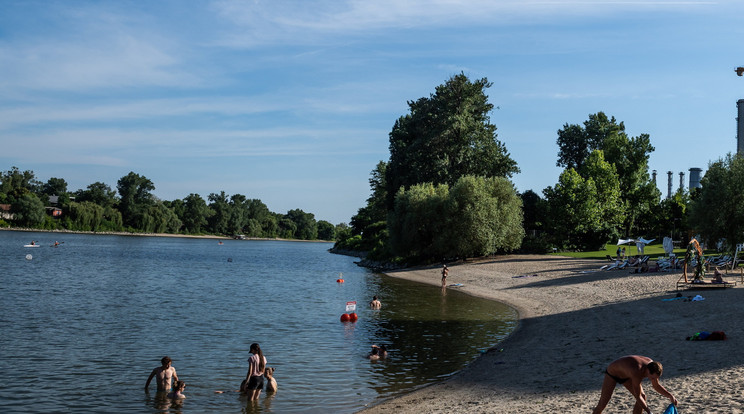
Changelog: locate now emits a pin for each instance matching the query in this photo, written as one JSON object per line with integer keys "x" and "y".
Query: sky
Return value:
{"x": 291, "y": 102}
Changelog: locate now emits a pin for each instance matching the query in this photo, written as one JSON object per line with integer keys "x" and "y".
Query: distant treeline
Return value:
{"x": 28, "y": 202}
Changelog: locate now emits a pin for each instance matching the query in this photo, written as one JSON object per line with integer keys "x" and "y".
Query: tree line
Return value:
{"x": 445, "y": 192}
{"x": 133, "y": 208}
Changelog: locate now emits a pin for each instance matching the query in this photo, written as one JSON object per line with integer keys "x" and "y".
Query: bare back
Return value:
{"x": 163, "y": 377}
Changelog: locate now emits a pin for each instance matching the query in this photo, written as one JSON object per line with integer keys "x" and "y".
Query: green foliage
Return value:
{"x": 194, "y": 214}
{"x": 135, "y": 200}
{"x": 305, "y": 226}
{"x": 478, "y": 216}
{"x": 54, "y": 186}
{"x": 585, "y": 213}
{"x": 98, "y": 193}
{"x": 14, "y": 184}
{"x": 717, "y": 212}
{"x": 446, "y": 136}
{"x": 629, "y": 156}
{"x": 28, "y": 211}
{"x": 326, "y": 230}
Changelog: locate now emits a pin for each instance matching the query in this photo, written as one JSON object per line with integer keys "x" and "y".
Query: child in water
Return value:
{"x": 177, "y": 392}
{"x": 270, "y": 381}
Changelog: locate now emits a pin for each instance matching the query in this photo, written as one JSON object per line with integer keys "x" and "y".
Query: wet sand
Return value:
{"x": 575, "y": 320}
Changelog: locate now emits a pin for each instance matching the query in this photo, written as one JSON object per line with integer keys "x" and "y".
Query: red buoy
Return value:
{"x": 345, "y": 317}
{"x": 340, "y": 280}
{"x": 353, "y": 317}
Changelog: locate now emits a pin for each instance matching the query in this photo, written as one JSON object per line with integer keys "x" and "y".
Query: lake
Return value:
{"x": 83, "y": 325}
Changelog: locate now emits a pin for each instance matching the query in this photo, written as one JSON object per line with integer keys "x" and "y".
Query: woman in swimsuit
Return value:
{"x": 630, "y": 371}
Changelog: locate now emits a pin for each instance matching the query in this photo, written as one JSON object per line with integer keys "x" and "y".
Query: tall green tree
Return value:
{"x": 717, "y": 211}
{"x": 585, "y": 213}
{"x": 326, "y": 230}
{"x": 195, "y": 214}
{"x": 446, "y": 136}
{"x": 629, "y": 155}
{"x": 306, "y": 228}
{"x": 135, "y": 200}
{"x": 220, "y": 205}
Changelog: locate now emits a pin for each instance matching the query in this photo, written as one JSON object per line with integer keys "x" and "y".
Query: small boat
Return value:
{"x": 31, "y": 245}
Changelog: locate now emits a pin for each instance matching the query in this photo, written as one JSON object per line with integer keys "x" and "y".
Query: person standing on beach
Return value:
{"x": 254, "y": 380}
{"x": 445, "y": 272}
{"x": 630, "y": 371}
{"x": 164, "y": 373}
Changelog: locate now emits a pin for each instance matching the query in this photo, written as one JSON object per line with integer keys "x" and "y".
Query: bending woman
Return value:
{"x": 254, "y": 379}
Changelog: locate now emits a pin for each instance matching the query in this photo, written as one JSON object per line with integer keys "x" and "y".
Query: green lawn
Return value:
{"x": 654, "y": 250}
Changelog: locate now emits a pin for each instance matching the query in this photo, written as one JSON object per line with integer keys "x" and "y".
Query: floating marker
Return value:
{"x": 29, "y": 257}
{"x": 345, "y": 317}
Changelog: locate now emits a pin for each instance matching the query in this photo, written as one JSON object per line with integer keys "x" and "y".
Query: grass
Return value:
{"x": 654, "y": 250}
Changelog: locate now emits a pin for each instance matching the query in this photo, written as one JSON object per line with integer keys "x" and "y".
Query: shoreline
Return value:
{"x": 186, "y": 236}
{"x": 573, "y": 320}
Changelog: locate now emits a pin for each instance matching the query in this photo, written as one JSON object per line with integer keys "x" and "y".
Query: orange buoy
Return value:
{"x": 339, "y": 280}
{"x": 353, "y": 317}
{"x": 345, "y": 317}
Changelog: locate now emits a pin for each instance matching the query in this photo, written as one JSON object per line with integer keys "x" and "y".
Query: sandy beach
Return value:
{"x": 575, "y": 320}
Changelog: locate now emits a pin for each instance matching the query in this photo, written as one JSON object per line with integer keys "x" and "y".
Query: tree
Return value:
{"x": 219, "y": 221}
{"x": 28, "y": 210}
{"x": 14, "y": 184}
{"x": 475, "y": 217}
{"x": 306, "y": 228}
{"x": 135, "y": 199}
{"x": 99, "y": 193}
{"x": 484, "y": 215}
{"x": 585, "y": 213}
{"x": 444, "y": 137}
{"x": 629, "y": 155}
{"x": 54, "y": 186}
{"x": 717, "y": 212}
{"x": 195, "y": 213}
{"x": 326, "y": 230}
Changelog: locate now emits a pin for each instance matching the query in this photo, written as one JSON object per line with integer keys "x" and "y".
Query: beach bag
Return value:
{"x": 671, "y": 410}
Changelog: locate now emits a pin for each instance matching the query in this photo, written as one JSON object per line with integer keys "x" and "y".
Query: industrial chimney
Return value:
{"x": 681, "y": 181}
{"x": 739, "y": 127}
{"x": 669, "y": 184}
{"x": 695, "y": 177}
{"x": 653, "y": 177}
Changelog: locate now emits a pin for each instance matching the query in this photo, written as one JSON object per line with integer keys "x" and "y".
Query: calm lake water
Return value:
{"x": 83, "y": 324}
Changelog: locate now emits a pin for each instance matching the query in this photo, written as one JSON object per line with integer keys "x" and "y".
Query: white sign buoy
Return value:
{"x": 29, "y": 257}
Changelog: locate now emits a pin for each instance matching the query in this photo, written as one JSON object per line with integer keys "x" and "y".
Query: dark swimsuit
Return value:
{"x": 618, "y": 380}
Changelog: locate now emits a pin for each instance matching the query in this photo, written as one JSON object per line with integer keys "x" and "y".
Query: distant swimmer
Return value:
{"x": 630, "y": 371}
{"x": 375, "y": 304}
{"x": 445, "y": 272}
{"x": 378, "y": 352}
{"x": 164, "y": 374}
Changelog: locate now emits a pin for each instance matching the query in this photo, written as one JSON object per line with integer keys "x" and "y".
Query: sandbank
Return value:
{"x": 575, "y": 320}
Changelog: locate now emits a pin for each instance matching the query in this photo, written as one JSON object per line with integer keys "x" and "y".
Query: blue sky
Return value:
{"x": 291, "y": 102}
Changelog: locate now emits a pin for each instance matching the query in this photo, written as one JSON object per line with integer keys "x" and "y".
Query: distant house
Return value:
{"x": 54, "y": 211}
{"x": 5, "y": 213}
{"x": 53, "y": 200}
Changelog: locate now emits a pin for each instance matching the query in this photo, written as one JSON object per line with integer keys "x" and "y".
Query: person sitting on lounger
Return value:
{"x": 717, "y": 277}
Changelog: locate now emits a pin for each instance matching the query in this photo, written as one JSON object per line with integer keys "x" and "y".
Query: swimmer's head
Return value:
{"x": 166, "y": 361}
{"x": 179, "y": 385}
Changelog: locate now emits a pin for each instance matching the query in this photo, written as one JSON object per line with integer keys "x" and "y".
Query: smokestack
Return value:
{"x": 653, "y": 177}
{"x": 681, "y": 181}
{"x": 695, "y": 178}
{"x": 739, "y": 127}
{"x": 669, "y": 184}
